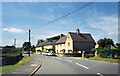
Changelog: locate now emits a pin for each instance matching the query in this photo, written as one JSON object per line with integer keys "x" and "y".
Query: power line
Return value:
{"x": 60, "y": 17}
{"x": 65, "y": 15}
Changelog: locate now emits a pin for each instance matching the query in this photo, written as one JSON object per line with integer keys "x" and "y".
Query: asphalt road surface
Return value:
{"x": 74, "y": 65}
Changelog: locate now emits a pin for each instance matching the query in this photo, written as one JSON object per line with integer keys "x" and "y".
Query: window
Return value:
{"x": 68, "y": 43}
{"x": 60, "y": 44}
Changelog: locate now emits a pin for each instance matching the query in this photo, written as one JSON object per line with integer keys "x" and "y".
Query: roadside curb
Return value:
{"x": 36, "y": 68}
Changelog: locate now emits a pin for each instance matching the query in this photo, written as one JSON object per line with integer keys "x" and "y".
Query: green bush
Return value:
{"x": 74, "y": 51}
{"x": 51, "y": 50}
{"x": 115, "y": 51}
{"x": 89, "y": 55}
{"x": 9, "y": 50}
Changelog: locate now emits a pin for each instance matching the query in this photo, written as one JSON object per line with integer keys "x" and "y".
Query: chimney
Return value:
{"x": 61, "y": 35}
{"x": 78, "y": 31}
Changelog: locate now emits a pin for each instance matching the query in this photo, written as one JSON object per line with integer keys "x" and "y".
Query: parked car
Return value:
{"x": 45, "y": 53}
{"x": 26, "y": 52}
{"x": 49, "y": 54}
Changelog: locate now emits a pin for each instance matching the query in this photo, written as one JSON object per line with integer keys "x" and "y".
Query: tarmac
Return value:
{"x": 27, "y": 69}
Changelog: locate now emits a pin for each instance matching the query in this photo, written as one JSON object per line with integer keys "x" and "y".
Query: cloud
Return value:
{"x": 114, "y": 33}
{"x": 50, "y": 18}
{"x": 13, "y": 30}
{"x": 63, "y": 6}
{"x": 104, "y": 23}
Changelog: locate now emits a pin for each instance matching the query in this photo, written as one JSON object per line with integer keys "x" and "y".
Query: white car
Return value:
{"x": 49, "y": 54}
{"x": 45, "y": 53}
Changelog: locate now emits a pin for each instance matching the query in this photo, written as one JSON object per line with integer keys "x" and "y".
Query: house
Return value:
{"x": 97, "y": 45}
{"x": 39, "y": 46}
{"x": 60, "y": 44}
{"x": 75, "y": 41}
{"x": 49, "y": 45}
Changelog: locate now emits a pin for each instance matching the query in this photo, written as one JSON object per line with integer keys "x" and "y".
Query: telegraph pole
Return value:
{"x": 29, "y": 42}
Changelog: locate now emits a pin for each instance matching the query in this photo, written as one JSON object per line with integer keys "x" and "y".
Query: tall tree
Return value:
{"x": 118, "y": 45}
{"x": 39, "y": 41}
{"x": 105, "y": 42}
{"x": 26, "y": 46}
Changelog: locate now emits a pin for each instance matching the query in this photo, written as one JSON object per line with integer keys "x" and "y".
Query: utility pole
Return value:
{"x": 29, "y": 42}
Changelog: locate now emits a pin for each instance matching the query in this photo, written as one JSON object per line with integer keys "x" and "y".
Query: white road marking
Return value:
{"x": 99, "y": 74}
{"x": 82, "y": 66}
{"x": 69, "y": 60}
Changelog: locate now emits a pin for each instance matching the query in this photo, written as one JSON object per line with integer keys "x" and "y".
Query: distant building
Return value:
{"x": 39, "y": 46}
{"x": 75, "y": 42}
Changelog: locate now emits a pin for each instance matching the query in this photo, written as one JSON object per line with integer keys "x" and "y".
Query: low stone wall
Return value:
{"x": 11, "y": 60}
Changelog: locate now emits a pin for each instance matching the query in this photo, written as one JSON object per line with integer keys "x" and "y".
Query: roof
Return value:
{"x": 41, "y": 44}
{"x": 49, "y": 43}
{"x": 61, "y": 40}
{"x": 82, "y": 37}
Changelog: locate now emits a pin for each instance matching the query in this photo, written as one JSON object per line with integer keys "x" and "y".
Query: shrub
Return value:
{"x": 89, "y": 55}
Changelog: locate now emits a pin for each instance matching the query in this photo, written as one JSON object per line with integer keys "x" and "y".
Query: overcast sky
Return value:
{"x": 100, "y": 19}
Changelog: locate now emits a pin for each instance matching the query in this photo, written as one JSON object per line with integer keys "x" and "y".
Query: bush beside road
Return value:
{"x": 10, "y": 68}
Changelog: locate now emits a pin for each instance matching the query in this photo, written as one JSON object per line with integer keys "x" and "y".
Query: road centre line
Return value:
{"x": 99, "y": 74}
{"x": 82, "y": 66}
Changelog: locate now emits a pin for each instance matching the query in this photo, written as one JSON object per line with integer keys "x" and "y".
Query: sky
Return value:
{"x": 100, "y": 19}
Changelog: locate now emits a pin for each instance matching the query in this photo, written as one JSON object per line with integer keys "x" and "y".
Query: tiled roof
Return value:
{"x": 61, "y": 40}
{"x": 50, "y": 43}
{"x": 41, "y": 44}
{"x": 82, "y": 37}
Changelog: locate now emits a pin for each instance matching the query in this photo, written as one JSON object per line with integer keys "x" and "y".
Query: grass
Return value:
{"x": 11, "y": 55}
{"x": 104, "y": 59}
{"x": 10, "y": 68}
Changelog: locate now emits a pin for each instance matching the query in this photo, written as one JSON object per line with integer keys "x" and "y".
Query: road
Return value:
{"x": 74, "y": 65}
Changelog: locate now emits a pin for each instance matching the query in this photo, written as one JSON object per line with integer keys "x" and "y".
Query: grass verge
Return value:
{"x": 104, "y": 59}
{"x": 10, "y": 68}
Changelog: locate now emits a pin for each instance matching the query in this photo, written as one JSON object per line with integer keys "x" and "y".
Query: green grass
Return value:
{"x": 11, "y": 55}
{"x": 10, "y": 68}
{"x": 104, "y": 59}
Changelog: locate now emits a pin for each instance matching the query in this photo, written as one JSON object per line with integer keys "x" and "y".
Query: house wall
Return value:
{"x": 67, "y": 47}
{"x": 48, "y": 47}
{"x": 38, "y": 48}
{"x": 59, "y": 47}
{"x": 83, "y": 46}
{"x": 96, "y": 46}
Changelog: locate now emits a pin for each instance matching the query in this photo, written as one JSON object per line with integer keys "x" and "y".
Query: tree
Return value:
{"x": 33, "y": 48}
{"x": 39, "y": 41}
{"x": 54, "y": 38}
{"x": 26, "y": 46}
{"x": 118, "y": 45}
{"x": 105, "y": 42}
